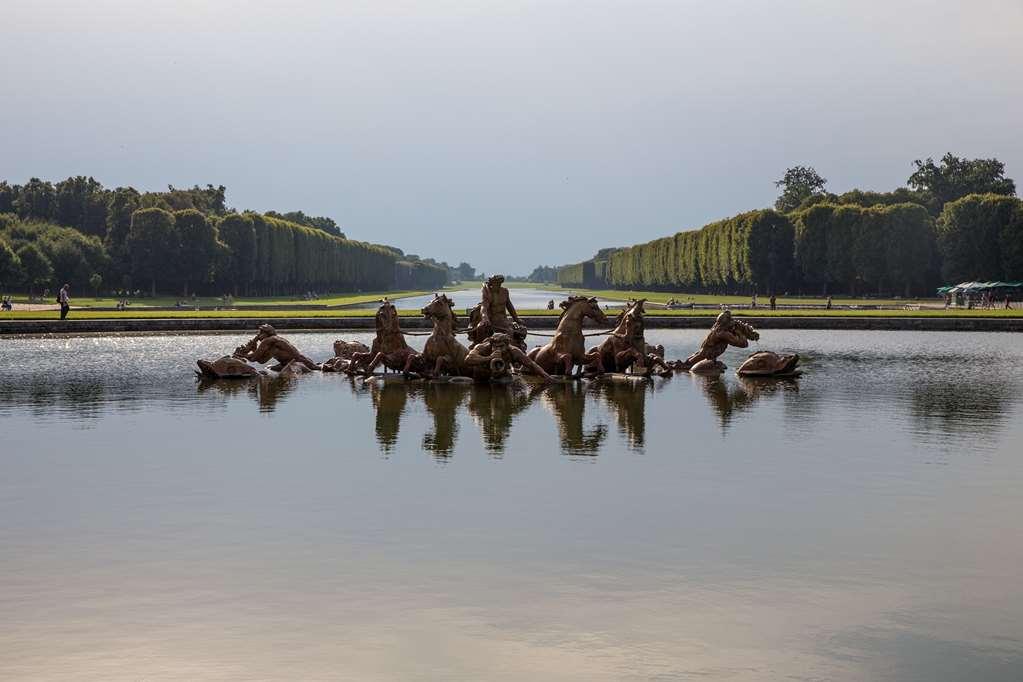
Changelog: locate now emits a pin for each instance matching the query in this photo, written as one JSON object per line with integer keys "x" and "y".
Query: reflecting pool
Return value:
{"x": 859, "y": 522}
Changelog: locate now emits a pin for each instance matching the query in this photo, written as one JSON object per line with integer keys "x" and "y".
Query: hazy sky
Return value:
{"x": 507, "y": 134}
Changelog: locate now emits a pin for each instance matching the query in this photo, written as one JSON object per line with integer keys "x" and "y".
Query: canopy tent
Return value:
{"x": 979, "y": 287}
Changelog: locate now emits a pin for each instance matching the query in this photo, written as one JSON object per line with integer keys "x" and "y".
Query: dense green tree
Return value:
{"x": 81, "y": 203}
{"x": 199, "y": 246}
{"x": 238, "y": 234}
{"x": 954, "y": 177}
{"x": 35, "y": 200}
{"x": 10, "y": 267}
{"x": 209, "y": 200}
{"x": 798, "y": 184}
{"x": 8, "y": 194}
{"x": 319, "y": 222}
{"x": 970, "y": 236}
{"x": 543, "y": 274}
{"x": 37, "y": 272}
{"x": 95, "y": 281}
{"x": 153, "y": 245}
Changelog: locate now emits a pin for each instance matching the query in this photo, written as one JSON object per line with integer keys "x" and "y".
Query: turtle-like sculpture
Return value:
{"x": 769, "y": 364}
{"x": 226, "y": 367}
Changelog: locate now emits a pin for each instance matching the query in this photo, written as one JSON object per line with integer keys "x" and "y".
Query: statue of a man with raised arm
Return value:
{"x": 494, "y": 311}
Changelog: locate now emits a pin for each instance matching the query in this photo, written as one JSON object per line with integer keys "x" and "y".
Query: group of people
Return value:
{"x": 772, "y": 301}
{"x": 986, "y": 301}
{"x": 63, "y": 299}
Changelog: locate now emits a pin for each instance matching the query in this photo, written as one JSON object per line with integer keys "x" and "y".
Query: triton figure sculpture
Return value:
{"x": 492, "y": 359}
{"x": 726, "y": 332}
{"x": 267, "y": 345}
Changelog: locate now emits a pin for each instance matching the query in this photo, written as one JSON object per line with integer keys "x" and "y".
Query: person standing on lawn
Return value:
{"x": 64, "y": 299}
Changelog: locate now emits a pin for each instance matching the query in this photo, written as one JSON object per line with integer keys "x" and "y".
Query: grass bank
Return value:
{"x": 715, "y": 299}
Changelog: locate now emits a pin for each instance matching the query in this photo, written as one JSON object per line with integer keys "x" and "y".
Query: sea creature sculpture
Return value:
{"x": 267, "y": 345}
{"x": 492, "y": 360}
{"x": 727, "y": 331}
{"x": 389, "y": 347}
{"x": 344, "y": 351}
{"x": 226, "y": 367}
{"x": 769, "y": 364}
{"x": 568, "y": 347}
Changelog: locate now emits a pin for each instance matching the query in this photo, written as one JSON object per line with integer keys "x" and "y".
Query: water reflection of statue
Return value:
{"x": 627, "y": 399}
{"x": 267, "y": 345}
{"x": 726, "y": 332}
{"x": 443, "y": 402}
{"x": 266, "y": 391}
{"x": 728, "y": 399}
{"x": 494, "y": 408}
{"x": 567, "y": 402}
{"x": 389, "y": 399}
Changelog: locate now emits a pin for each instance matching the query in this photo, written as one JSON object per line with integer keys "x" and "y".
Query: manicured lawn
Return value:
{"x": 212, "y": 301}
{"x": 663, "y": 297}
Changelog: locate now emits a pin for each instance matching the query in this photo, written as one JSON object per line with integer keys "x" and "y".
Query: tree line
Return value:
{"x": 187, "y": 241}
{"x": 957, "y": 220}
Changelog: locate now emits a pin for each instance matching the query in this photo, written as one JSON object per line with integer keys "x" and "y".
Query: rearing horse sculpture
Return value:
{"x": 442, "y": 352}
{"x": 568, "y": 347}
{"x": 626, "y": 346}
{"x": 389, "y": 347}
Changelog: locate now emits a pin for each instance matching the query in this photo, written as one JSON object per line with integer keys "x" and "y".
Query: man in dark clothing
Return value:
{"x": 64, "y": 299}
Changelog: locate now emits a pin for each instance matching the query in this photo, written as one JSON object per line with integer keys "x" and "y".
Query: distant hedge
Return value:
{"x": 187, "y": 251}
{"x": 751, "y": 250}
{"x": 823, "y": 248}
{"x": 980, "y": 237}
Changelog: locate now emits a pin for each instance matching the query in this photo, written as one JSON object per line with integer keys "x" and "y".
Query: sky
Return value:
{"x": 506, "y": 134}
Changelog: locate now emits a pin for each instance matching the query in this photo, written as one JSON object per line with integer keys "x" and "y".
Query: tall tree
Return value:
{"x": 35, "y": 267}
{"x": 238, "y": 233}
{"x": 153, "y": 245}
{"x": 80, "y": 203}
{"x": 36, "y": 200}
{"x": 10, "y": 266}
{"x": 799, "y": 184}
{"x": 198, "y": 247}
{"x": 7, "y": 196}
{"x": 954, "y": 177}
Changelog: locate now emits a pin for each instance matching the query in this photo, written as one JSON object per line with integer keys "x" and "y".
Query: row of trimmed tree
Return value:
{"x": 187, "y": 251}
{"x": 825, "y": 248}
{"x": 185, "y": 241}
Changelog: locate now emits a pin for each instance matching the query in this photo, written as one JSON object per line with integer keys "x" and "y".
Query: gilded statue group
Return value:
{"x": 497, "y": 346}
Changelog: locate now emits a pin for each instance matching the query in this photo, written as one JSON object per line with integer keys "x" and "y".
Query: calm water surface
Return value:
{"x": 859, "y": 523}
